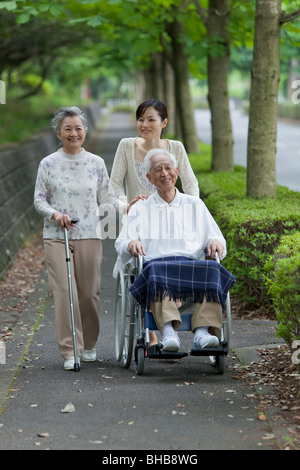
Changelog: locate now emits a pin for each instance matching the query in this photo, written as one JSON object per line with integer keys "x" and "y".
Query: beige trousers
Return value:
{"x": 205, "y": 314}
{"x": 85, "y": 264}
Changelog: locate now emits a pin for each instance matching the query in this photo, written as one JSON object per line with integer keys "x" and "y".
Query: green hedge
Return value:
{"x": 253, "y": 228}
{"x": 283, "y": 280}
{"x": 289, "y": 110}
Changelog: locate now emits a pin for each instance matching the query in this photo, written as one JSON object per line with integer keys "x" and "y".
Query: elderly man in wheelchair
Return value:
{"x": 172, "y": 232}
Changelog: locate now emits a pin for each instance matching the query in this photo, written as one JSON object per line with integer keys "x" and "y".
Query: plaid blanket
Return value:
{"x": 183, "y": 279}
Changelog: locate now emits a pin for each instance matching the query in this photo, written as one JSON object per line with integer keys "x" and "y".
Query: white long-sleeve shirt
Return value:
{"x": 182, "y": 228}
{"x": 75, "y": 185}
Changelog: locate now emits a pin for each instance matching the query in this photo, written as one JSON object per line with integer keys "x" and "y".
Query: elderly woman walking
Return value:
{"x": 72, "y": 183}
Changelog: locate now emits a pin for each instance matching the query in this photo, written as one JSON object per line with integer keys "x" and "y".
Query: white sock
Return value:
{"x": 168, "y": 329}
{"x": 200, "y": 331}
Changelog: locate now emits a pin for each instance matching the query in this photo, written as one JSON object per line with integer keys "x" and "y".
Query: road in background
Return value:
{"x": 288, "y": 148}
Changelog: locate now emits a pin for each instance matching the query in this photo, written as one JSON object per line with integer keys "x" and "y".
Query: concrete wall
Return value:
{"x": 18, "y": 169}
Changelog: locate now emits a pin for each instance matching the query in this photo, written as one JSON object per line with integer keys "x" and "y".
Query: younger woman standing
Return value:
{"x": 152, "y": 119}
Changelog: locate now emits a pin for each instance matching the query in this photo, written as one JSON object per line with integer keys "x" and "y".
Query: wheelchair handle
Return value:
{"x": 217, "y": 258}
{"x": 140, "y": 263}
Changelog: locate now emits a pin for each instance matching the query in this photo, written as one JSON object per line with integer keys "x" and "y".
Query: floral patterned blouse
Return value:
{"x": 77, "y": 185}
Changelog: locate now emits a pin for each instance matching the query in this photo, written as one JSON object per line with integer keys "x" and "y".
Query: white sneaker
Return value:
{"x": 171, "y": 343}
{"x": 69, "y": 363}
{"x": 205, "y": 341}
{"x": 89, "y": 355}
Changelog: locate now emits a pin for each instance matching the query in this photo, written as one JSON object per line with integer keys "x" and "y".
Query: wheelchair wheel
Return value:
{"x": 228, "y": 320}
{"x": 220, "y": 364}
{"x": 129, "y": 334}
{"x": 139, "y": 360}
{"x": 119, "y": 321}
{"x": 124, "y": 319}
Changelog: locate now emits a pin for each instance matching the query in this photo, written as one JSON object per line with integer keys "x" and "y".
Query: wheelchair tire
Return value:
{"x": 220, "y": 364}
{"x": 119, "y": 319}
{"x": 124, "y": 320}
{"x": 139, "y": 361}
{"x": 228, "y": 320}
{"x": 129, "y": 334}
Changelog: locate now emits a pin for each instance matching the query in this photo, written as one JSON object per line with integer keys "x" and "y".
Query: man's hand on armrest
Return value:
{"x": 136, "y": 248}
{"x": 213, "y": 246}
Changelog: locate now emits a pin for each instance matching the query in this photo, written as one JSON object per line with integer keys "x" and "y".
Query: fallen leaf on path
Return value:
{"x": 269, "y": 436}
{"x": 69, "y": 408}
{"x": 262, "y": 417}
{"x": 43, "y": 434}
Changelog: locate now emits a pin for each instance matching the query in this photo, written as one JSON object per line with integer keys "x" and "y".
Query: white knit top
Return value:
{"x": 77, "y": 185}
{"x": 125, "y": 168}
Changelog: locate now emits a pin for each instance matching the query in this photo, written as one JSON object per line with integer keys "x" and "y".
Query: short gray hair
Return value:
{"x": 71, "y": 111}
{"x": 153, "y": 153}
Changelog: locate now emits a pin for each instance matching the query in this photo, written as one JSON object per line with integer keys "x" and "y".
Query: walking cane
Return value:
{"x": 76, "y": 362}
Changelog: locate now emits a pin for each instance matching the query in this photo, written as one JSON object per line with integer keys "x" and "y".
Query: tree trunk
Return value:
{"x": 154, "y": 78}
{"x": 140, "y": 87}
{"x": 184, "y": 105}
{"x": 169, "y": 97}
{"x": 218, "y": 98}
{"x": 157, "y": 76}
{"x": 262, "y": 134}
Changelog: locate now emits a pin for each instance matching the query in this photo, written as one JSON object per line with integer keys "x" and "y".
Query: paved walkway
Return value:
{"x": 174, "y": 406}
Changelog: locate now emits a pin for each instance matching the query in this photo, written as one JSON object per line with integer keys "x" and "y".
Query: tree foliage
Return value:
{"x": 124, "y": 37}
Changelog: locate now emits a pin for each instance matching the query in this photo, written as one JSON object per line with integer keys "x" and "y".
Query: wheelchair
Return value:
{"x": 133, "y": 323}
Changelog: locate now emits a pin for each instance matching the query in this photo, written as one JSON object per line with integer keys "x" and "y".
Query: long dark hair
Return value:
{"x": 159, "y": 106}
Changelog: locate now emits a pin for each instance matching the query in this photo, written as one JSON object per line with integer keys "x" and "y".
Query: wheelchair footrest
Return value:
{"x": 156, "y": 352}
{"x": 222, "y": 350}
